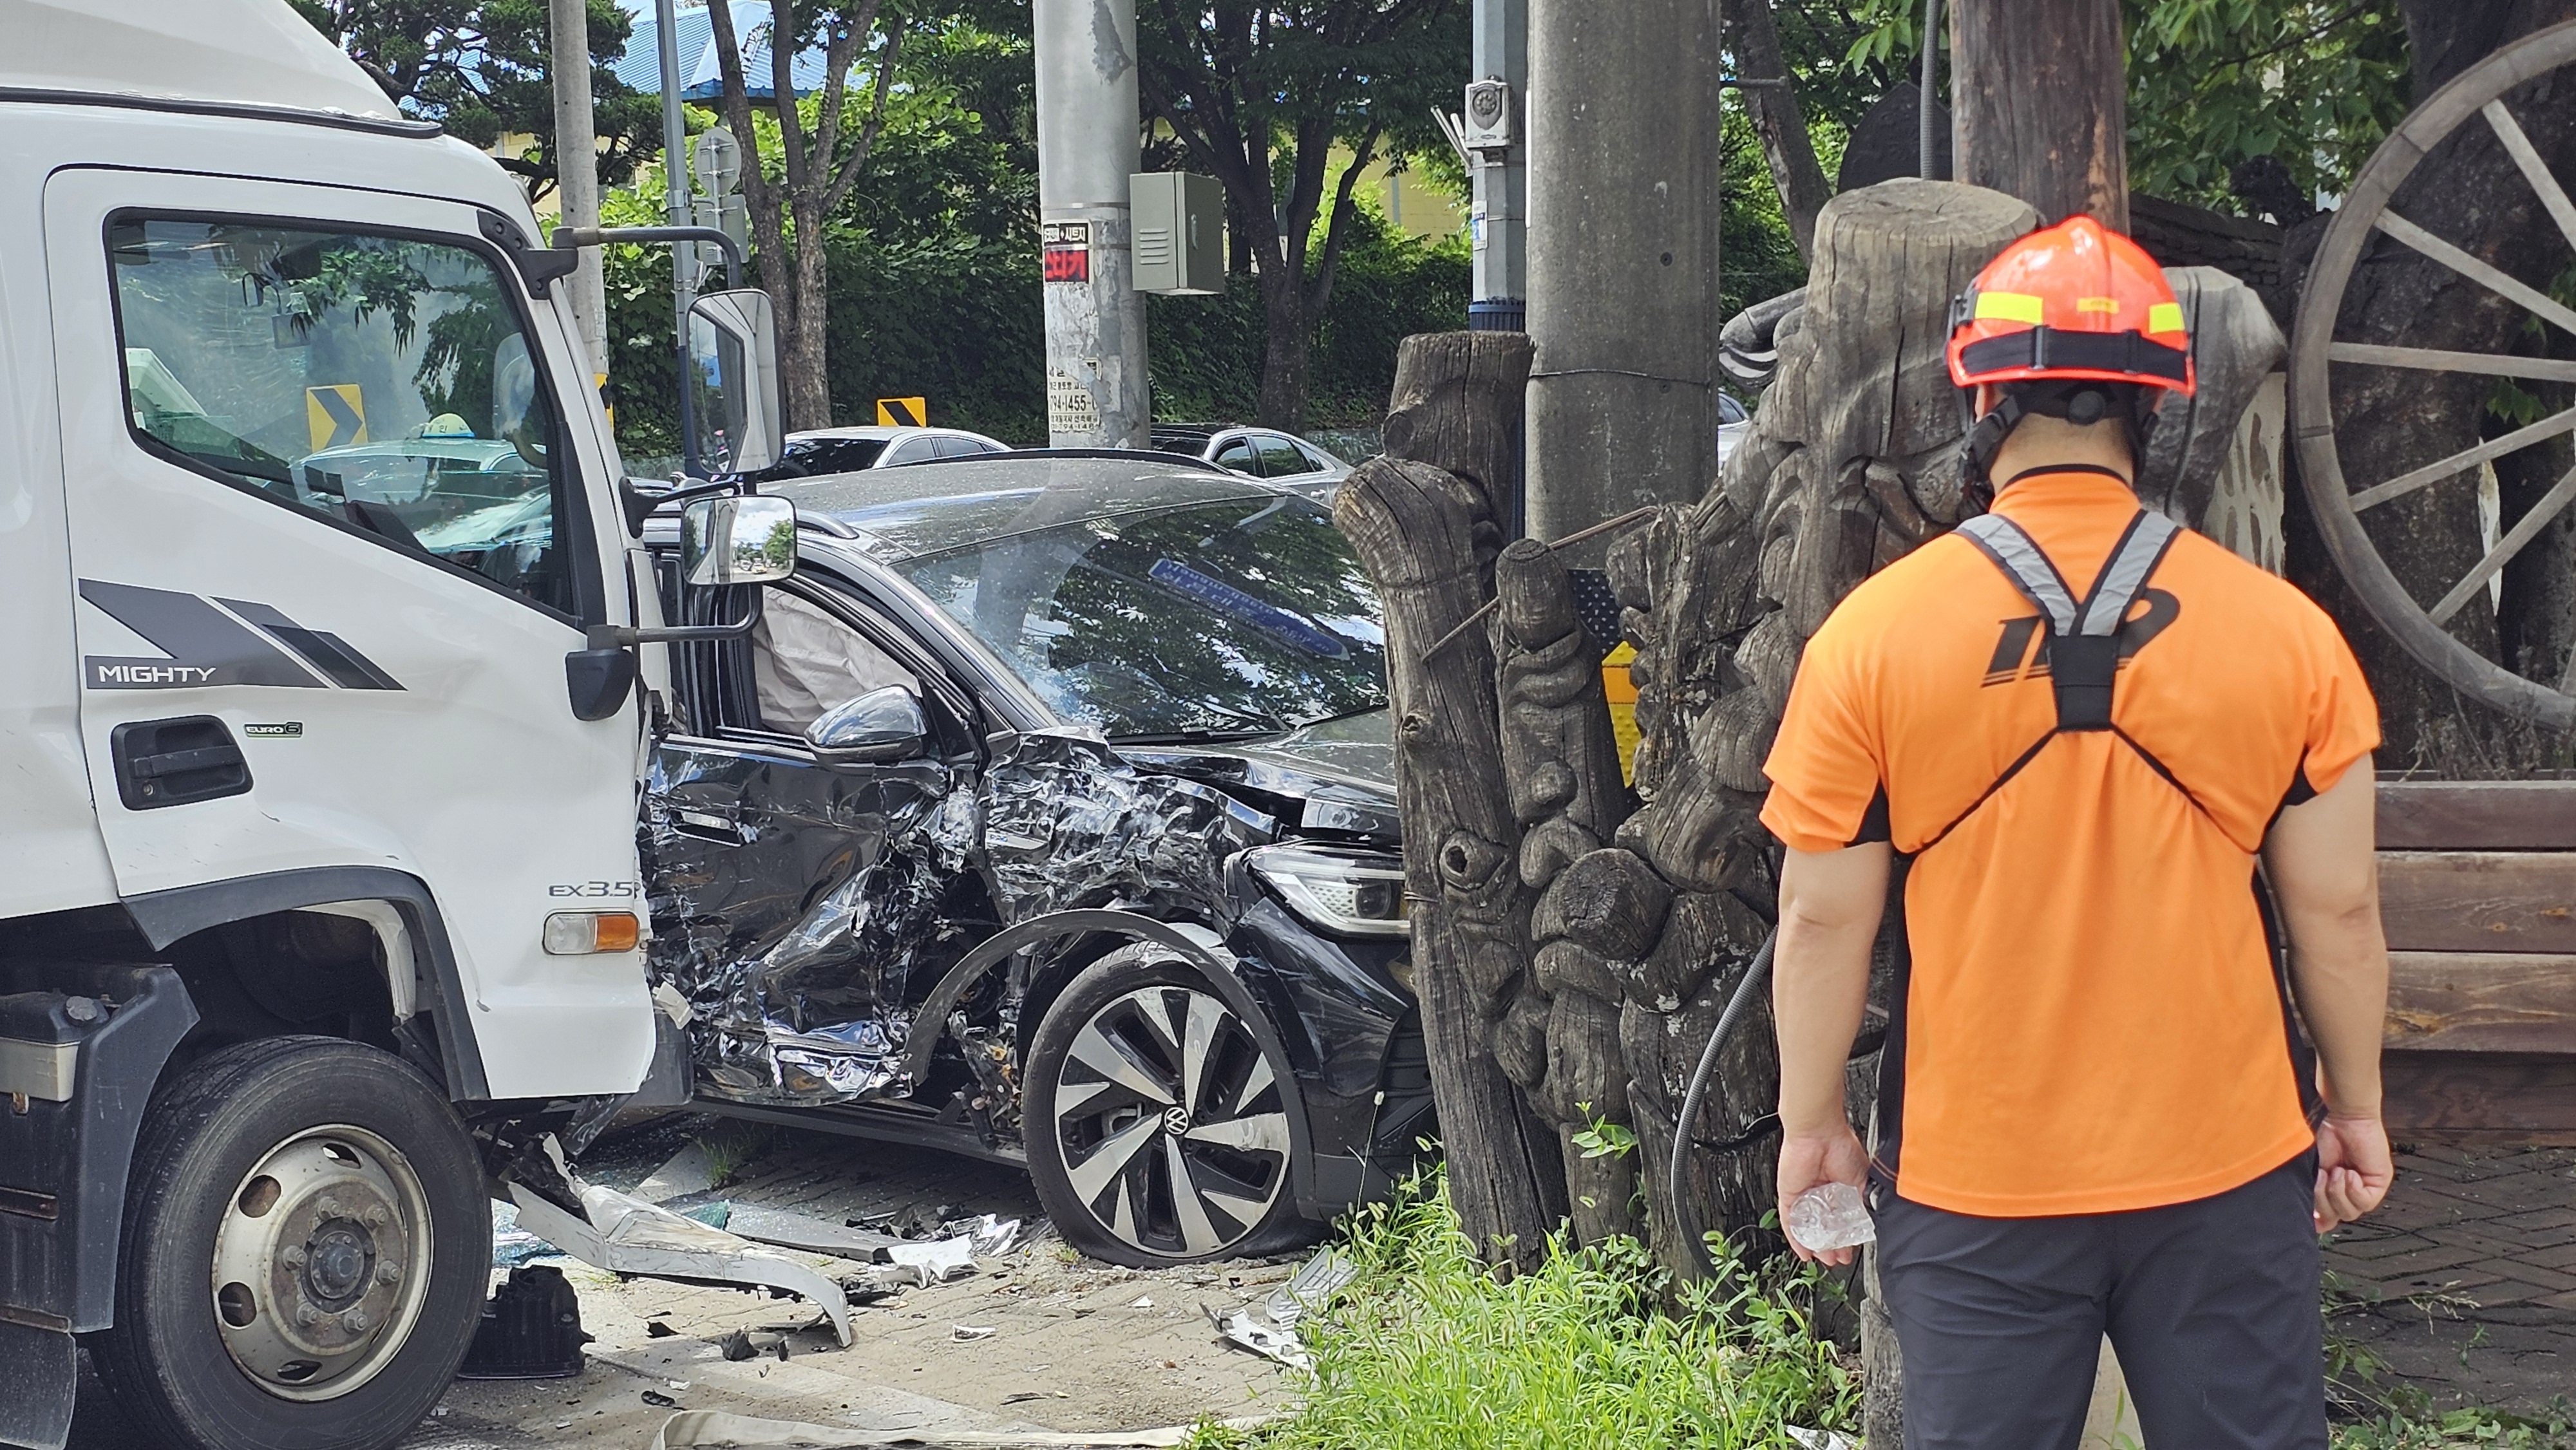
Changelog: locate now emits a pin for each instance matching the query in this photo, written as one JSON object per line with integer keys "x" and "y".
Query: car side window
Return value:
{"x": 383, "y": 382}
{"x": 1279, "y": 458}
{"x": 1308, "y": 456}
{"x": 1238, "y": 455}
{"x": 912, "y": 450}
{"x": 1729, "y": 410}
{"x": 805, "y": 662}
{"x": 957, "y": 447}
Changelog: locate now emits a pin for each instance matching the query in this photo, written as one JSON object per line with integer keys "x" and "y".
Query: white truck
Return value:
{"x": 319, "y": 747}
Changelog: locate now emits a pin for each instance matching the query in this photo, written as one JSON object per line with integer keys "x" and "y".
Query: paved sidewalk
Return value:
{"x": 2465, "y": 1281}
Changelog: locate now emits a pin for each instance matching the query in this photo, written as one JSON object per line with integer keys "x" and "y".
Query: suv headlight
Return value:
{"x": 1345, "y": 892}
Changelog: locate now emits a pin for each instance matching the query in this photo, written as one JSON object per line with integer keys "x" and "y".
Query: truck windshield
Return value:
{"x": 1235, "y": 618}
{"x": 380, "y": 381}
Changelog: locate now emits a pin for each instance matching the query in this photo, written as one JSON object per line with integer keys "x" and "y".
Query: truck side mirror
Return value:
{"x": 881, "y": 727}
{"x": 733, "y": 380}
{"x": 737, "y": 541}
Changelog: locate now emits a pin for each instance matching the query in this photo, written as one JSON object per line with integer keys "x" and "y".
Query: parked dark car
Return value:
{"x": 1047, "y": 816}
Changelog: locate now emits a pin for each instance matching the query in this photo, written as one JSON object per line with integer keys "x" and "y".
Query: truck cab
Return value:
{"x": 320, "y": 717}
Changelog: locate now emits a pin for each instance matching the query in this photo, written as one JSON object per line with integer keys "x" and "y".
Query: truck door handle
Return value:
{"x": 176, "y": 762}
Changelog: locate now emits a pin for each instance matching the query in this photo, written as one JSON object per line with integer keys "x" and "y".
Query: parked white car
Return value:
{"x": 1262, "y": 453}
{"x": 820, "y": 451}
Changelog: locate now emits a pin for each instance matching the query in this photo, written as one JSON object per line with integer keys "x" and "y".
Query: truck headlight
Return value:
{"x": 1343, "y": 892}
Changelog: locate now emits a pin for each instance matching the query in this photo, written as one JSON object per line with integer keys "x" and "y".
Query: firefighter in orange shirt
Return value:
{"x": 2120, "y": 762}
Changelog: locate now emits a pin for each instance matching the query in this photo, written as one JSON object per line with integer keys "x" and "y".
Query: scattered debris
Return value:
{"x": 688, "y": 1171}
{"x": 1252, "y": 1330}
{"x": 513, "y": 1245}
{"x": 798, "y": 1231}
{"x": 1271, "y": 1330}
{"x": 628, "y": 1236}
{"x": 1145, "y": 1301}
{"x": 715, "y": 1430}
{"x": 936, "y": 1261}
{"x": 530, "y": 1330}
{"x": 660, "y": 1401}
{"x": 748, "y": 1344}
{"x": 656, "y": 1329}
{"x": 1821, "y": 1439}
{"x": 963, "y": 1333}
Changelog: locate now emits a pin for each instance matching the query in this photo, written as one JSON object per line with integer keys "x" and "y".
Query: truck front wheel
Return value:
{"x": 305, "y": 1250}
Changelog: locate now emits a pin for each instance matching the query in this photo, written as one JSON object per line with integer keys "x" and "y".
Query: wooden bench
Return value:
{"x": 2477, "y": 883}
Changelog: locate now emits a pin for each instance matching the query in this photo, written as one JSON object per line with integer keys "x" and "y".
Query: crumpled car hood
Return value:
{"x": 1336, "y": 777}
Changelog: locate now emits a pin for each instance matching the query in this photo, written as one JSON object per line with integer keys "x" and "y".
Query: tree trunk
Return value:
{"x": 807, "y": 314}
{"x": 1786, "y": 143}
{"x": 2388, "y": 421}
{"x": 1428, "y": 538}
{"x": 1287, "y": 341}
{"x": 2040, "y": 91}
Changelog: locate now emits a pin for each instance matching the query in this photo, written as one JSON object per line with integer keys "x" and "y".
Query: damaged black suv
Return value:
{"x": 1047, "y": 815}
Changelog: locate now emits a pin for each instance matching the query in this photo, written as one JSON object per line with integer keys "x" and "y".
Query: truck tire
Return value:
{"x": 305, "y": 1251}
{"x": 1138, "y": 1159}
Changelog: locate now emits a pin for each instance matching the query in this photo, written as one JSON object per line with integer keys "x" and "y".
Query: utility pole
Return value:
{"x": 2040, "y": 90}
{"x": 1499, "y": 208}
{"x": 675, "y": 209}
{"x": 1097, "y": 392}
{"x": 577, "y": 169}
{"x": 1623, "y": 284}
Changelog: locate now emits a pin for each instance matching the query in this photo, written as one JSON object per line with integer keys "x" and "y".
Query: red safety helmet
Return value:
{"x": 2074, "y": 322}
{"x": 2076, "y": 301}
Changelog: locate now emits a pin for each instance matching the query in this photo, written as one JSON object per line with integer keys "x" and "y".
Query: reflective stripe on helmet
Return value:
{"x": 2128, "y": 353}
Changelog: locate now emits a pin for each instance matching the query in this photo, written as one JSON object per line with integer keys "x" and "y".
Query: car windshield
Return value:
{"x": 1242, "y": 617}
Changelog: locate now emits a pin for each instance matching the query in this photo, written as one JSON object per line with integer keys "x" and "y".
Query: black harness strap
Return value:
{"x": 2083, "y": 636}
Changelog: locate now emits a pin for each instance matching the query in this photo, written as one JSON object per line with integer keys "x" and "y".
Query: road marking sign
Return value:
{"x": 335, "y": 414}
{"x": 903, "y": 412}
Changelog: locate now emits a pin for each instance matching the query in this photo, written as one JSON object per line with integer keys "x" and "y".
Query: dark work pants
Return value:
{"x": 2211, "y": 1304}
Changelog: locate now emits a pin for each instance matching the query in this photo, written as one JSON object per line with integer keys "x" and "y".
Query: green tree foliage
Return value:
{"x": 479, "y": 69}
{"x": 2315, "y": 84}
{"x": 1260, "y": 93}
{"x": 932, "y": 275}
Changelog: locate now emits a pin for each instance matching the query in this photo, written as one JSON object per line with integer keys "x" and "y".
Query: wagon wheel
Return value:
{"x": 2474, "y": 98}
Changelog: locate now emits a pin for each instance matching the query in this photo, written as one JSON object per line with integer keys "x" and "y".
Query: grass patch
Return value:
{"x": 1427, "y": 1351}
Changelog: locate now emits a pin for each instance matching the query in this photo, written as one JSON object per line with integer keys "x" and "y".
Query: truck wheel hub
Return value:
{"x": 319, "y": 1263}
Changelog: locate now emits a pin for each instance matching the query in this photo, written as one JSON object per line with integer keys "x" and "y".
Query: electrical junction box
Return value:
{"x": 1486, "y": 124}
{"x": 1179, "y": 222}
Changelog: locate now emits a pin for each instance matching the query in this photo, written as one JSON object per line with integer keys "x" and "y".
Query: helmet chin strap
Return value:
{"x": 2081, "y": 403}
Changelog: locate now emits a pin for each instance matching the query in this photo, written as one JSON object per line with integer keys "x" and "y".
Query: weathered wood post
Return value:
{"x": 1424, "y": 521}
{"x": 2040, "y": 90}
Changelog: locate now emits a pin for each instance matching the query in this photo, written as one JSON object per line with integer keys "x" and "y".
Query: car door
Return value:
{"x": 1238, "y": 454}
{"x": 800, "y": 909}
{"x": 397, "y": 703}
{"x": 1280, "y": 460}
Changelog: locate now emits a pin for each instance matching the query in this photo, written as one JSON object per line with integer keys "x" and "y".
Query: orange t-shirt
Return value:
{"x": 2093, "y": 1020}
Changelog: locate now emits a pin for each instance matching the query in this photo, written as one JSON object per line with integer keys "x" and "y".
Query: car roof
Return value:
{"x": 929, "y": 508}
{"x": 879, "y": 432}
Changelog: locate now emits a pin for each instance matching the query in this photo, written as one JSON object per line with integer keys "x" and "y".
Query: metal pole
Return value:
{"x": 577, "y": 169}
{"x": 675, "y": 191}
{"x": 1498, "y": 216}
{"x": 1927, "y": 144}
{"x": 1623, "y": 280}
{"x": 1097, "y": 394}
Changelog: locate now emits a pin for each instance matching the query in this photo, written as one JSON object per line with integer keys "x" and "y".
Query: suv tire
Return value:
{"x": 1141, "y": 1079}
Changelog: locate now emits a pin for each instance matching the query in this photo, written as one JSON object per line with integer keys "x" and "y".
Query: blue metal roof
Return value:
{"x": 701, "y": 76}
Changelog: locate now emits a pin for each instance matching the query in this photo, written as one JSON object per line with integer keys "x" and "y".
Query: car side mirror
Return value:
{"x": 733, "y": 380}
{"x": 739, "y": 540}
{"x": 881, "y": 727}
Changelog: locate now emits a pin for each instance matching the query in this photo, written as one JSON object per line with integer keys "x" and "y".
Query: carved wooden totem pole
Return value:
{"x": 1576, "y": 940}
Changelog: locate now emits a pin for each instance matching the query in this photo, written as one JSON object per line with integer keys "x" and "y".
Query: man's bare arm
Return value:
{"x": 1830, "y": 903}
{"x": 2324, "y": 871}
